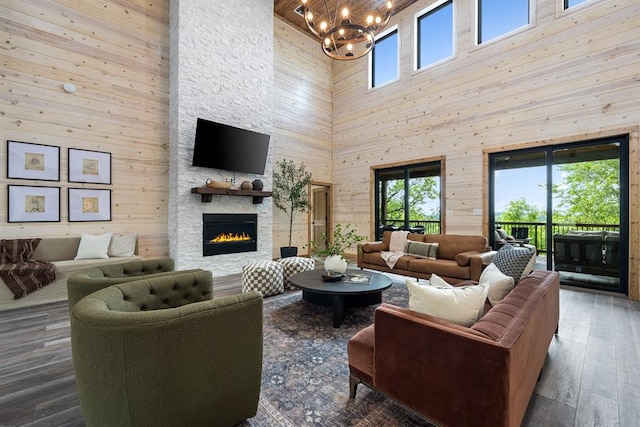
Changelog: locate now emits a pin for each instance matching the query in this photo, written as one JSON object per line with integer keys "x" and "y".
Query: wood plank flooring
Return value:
{"x": 591, "y": 376}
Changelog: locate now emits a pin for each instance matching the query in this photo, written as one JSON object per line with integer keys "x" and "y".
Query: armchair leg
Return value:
{"x": 353, "y": 386}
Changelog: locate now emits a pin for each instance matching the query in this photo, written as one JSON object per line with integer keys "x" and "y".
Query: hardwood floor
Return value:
{"x": 591, "y": 376}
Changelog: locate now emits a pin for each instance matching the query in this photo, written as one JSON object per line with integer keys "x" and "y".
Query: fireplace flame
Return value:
{"x": 231, "y": 237}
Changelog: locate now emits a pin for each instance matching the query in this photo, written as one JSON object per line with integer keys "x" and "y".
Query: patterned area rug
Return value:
{"x": 305, "y": 379}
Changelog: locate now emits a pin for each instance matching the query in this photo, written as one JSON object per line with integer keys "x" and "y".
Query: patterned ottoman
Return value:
{"x": 263, "y": 276}
{"x": 293, "y": 265}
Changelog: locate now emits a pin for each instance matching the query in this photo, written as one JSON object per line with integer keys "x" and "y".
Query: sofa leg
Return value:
{"x": 353, "y": 386}
{"x": 557, "y": 327}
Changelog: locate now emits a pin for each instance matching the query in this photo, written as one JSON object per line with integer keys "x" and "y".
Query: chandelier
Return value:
{"x": 343, "y": 35}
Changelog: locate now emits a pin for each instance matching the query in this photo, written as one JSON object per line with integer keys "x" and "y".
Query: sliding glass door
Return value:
{"x": 571, "y": 202}
{"x": 408, "y": 198}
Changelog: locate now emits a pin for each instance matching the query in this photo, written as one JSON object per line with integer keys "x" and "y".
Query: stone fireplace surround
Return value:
{"x": 208, "y": 81}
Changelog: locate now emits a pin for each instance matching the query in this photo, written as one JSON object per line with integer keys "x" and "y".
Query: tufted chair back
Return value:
{"x": 85, "y": 282}
{"x": 160, "y": 351}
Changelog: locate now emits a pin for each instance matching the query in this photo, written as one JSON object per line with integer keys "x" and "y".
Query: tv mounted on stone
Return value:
{"x": 221, "y": 146}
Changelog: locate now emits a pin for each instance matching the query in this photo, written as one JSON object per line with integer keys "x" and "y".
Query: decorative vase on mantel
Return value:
{"x": 335, "y": 263}
{"x": 257, "y": 185}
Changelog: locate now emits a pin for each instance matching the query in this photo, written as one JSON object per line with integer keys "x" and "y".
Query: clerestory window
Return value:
{"x": 384, "y": 58}
{"x": 498, "y": 17}
{"x": 571, "y": 3}
{"x": 434, "y": 28}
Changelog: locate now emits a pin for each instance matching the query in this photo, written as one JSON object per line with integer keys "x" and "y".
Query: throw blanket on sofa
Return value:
{"x": 396, "y": 248}
{"x": 19, "y": 271}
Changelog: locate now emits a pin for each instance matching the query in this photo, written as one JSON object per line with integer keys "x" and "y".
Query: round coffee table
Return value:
{"x": 344, "y": 293}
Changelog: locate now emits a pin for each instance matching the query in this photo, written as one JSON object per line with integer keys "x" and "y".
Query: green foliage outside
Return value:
{"x": 420, "y": 191}
{"x": 589, "y": 194}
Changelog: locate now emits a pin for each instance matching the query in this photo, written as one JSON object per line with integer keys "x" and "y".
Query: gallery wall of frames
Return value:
{"x": 88, "y": 195}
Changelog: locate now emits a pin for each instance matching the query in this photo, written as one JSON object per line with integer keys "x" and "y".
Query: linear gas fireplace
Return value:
{"x": 229, "y": 233}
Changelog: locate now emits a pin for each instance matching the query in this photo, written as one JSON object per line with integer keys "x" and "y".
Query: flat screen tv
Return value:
{"x": 221, "y": 146}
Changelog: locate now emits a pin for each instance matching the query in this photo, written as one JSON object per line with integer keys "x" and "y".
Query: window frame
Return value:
{"x": 405, "y": 170}
{"x": 478, "y": 23}
{"x": 380, "y": 37}
{"x": 416, "y": 25}
{"x": 565, "y": 4}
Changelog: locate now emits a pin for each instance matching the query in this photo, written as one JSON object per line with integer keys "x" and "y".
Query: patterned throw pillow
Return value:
{"x": 516, "y": 262}
{"x": 421, "y": 250}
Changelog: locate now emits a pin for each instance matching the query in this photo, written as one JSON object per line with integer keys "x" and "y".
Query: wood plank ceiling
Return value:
{"x": 285, "y": 9}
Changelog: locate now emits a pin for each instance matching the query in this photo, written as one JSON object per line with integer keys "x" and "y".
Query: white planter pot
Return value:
{"x": 335, "y": 263}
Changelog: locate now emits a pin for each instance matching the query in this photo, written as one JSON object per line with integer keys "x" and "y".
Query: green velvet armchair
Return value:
{"x": 159, "y": 351}
{"x": 85, "y": 282}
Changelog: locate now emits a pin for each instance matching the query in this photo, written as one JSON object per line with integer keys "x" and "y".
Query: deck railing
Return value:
{"x": 536, "y": 230}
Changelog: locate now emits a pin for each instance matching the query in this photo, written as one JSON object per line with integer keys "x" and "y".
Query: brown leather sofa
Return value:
{"x": 458, "y": 257}
{"x": 483, "y": 375}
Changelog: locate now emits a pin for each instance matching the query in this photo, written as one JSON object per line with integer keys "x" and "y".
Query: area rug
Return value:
{"x": 305, "y": 379}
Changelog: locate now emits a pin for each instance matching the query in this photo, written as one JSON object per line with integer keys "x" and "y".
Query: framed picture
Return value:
{"x": 33, "y": 161}
{"x": 34, "y": 204}
{"x": 89, "y": 205}
{"x": 89, "y": 166}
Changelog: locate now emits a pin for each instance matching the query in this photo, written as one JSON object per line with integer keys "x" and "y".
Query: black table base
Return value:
{"x": 339, "y": 303}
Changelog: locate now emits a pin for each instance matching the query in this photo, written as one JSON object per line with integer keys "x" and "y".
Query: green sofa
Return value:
{"x": 159, "y": 351}
{"x": 85, "y": 282}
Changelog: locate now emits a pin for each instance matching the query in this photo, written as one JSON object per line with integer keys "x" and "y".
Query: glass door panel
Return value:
{"x": 520, "y": 198}
{"x": 586, "y": 215}
{"x": 571, "y": 202}
{"x": 408, "y": 198}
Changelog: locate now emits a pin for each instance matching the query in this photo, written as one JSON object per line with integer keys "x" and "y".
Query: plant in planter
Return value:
{"x": 290, "y": 194}
{"x": 342, "y": 239}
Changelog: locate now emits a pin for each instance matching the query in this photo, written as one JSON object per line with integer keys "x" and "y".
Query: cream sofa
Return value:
{"x": 60, "y": 251}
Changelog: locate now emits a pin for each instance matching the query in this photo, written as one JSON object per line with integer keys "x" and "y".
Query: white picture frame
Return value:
{"x": 26, "y": 160}
{"x": 89, "y": 166}
{"x": 89, "y": 205}
{"x": 29, "y": 203}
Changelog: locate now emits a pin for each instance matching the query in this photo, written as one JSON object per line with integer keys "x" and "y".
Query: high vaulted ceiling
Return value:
{"x": 285, "y": 9}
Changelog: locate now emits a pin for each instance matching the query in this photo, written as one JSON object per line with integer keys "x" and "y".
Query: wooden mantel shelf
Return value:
{"x": 206, "y": 193}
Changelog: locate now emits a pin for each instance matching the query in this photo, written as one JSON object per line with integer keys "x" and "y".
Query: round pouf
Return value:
{"x": 293, "y": 265}
{"x": 263, "y": 276}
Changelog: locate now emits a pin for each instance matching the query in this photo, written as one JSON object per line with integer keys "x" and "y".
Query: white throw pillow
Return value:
{"x": 499, "y": 283}
{"x": 123, "y": 245}
{"x": 93, "y": 246}
{"x": 463, "y": 305}
{"x": 438, "y": 282}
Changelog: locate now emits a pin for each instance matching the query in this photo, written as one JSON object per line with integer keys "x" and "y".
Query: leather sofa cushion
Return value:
{"x": 451, "y": 245}
{"x": 441, "y": 267}
{"x": 373, "y": 258}
{"x": 374, "y": 247}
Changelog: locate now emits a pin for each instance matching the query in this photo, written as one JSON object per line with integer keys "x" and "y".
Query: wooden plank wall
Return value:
{"x": 116, "y": 54}
{"x": 569, "y": 76}
{"x": 302, "y": 117}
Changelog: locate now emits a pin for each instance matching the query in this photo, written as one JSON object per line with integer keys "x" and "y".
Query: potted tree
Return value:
{"x": 342, "y": 239}
{"x": 290, "y": 195}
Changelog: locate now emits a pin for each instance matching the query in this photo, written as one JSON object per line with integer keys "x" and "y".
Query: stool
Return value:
{"x": 293, "y": 265}
{"x": 263, "y": 276}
